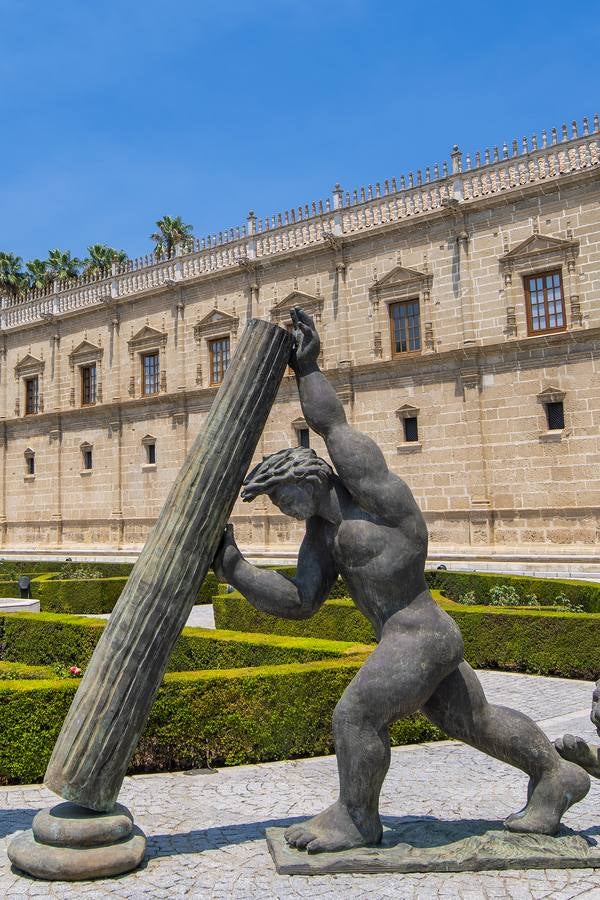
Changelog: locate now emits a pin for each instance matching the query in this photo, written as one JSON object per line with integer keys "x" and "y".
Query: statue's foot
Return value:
{"x": 334, "y": 829}
{"x": 578, "y": 751}
{"x": 549, "y": 798}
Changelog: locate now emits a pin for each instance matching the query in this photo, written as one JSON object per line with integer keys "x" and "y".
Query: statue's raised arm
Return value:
{"x": 357, "y": 459}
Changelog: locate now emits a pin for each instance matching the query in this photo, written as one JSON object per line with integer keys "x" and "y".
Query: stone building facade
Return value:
{"x": 459, "y": 310}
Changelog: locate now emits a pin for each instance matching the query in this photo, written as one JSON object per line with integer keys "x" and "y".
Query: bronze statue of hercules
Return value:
{"x": 362, "y": 522}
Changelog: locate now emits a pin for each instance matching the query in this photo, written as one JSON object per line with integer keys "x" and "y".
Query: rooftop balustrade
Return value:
{"x": 465, "y": 180}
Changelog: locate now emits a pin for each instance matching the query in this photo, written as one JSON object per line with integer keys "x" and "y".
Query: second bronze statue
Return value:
{"x": 363, "y": 523}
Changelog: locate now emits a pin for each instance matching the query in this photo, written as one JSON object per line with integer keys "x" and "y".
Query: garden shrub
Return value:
{"x": 581, "y": 596}
{"x": 338, "y": 619}
{"x": 548, "y": 591}
{"x": 225, "y": 717}
{"x": 86, "y": 593}
{"x": 49, "y": 639}
{"x": 11, "y": 671}
{"x": 523, "y": 640}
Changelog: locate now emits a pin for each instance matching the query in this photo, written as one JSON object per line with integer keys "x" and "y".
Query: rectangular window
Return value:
{"x": 411, "y": 430}
{"x": 545, "y": 304}
{"x": 32, "y": 396}
{"x": 30, "y": 464}
{"x": 555, "y": 416}
{"x": 88, "y": 385}
{"x": 150, "y": 373}
{"x": 405, "y": 325}
{"x": 151, "y": 454}
{"x": 219, "y": 359}
{"x": 87, "y": 458}
{"x": 303, "y": 437}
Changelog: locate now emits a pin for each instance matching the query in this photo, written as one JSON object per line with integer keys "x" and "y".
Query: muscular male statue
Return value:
{"x": 363, "y": 523}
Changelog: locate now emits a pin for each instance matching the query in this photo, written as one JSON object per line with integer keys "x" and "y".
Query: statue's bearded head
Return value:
{"x": 293, "y": 479}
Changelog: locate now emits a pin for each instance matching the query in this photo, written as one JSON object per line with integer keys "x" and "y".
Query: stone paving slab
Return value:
{"x": 206, "y": 835}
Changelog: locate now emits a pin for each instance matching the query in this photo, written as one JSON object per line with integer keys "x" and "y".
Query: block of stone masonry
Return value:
{"x": 111, "y": 706}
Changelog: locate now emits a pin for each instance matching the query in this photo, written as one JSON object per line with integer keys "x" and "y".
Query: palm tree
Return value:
{"x": 38, "y": 276}
{"x": 171, "y": 231}
{"x": 12, "y": 278}
{"x": 62, "y": 266}
{"x": 100, "y": 259}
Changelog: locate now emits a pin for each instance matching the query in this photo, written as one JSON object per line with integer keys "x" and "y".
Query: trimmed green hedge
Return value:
{"x": 9, "y": 671}
{"x": 520, "y": 640}
{"x": 11, "y": 568}
{"x": 39, "y": 639}
{"x": 337, "y": 619}
{"x": 456, "y": 584}
{"x": 86, "y": 595}
{"x": 226, "y": 717}
{"x": 73, "y": 596}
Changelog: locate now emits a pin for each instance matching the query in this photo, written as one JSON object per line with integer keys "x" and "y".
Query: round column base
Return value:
{"x": 71, "y": 843}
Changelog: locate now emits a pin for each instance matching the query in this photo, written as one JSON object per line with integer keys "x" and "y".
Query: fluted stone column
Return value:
{"x": 110, "y": 708}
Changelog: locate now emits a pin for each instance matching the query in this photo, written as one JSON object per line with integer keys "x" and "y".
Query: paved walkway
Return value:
{"x": 206, "y": 833}
{"x": 200, "y": 616}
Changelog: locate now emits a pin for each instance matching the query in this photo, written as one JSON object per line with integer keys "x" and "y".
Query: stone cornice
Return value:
{"x": 280, "y": 243}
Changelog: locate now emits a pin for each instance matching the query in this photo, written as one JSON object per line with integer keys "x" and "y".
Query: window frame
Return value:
{"x": 225, "y": 338}
{"x": 555, "y": 404}
{"x": 29, "y": 379}
{"x": 402, "y": 354}
{"x": 300, "y": 432}
{"x": 93, "y": 382}
{"x": 148, "y": 354}
{"x": 407, "y": 439}
{"x": 29, "y": 456}
{"x": 87, "y": 455}
{"x": 531, "y": 332}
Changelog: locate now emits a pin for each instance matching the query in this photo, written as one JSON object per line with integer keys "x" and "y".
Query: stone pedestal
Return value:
{"x": 72, "y": 843}
{"x": 430, "y": 845}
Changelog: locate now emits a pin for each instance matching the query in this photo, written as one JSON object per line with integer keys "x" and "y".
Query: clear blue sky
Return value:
{"x": 119, "y": 112}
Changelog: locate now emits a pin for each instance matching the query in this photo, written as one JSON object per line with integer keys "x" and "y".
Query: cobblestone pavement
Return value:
{"x": 206, "y": 832}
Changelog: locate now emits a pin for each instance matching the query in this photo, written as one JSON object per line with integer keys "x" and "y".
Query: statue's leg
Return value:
{"x": 396, "y": 680}
{"x": 459, "y": 706}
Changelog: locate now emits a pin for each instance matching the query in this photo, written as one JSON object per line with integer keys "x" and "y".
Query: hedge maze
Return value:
{"x": 258, "y": 688}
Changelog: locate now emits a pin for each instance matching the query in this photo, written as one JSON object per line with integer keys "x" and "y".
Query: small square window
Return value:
{"x": 303, "y": 437}
{"x": 88, "y": 461}
{"x": 555, "y": 416}
{"x": 411, "y": 430}
{"x": 150, "y": 453}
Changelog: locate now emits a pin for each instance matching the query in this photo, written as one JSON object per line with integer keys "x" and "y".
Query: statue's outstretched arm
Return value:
{"x": 357, "y": 459}
{"x": 274, "y": 593}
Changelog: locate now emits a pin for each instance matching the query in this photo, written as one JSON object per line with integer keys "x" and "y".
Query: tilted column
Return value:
{"x": 111, "y": 706}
